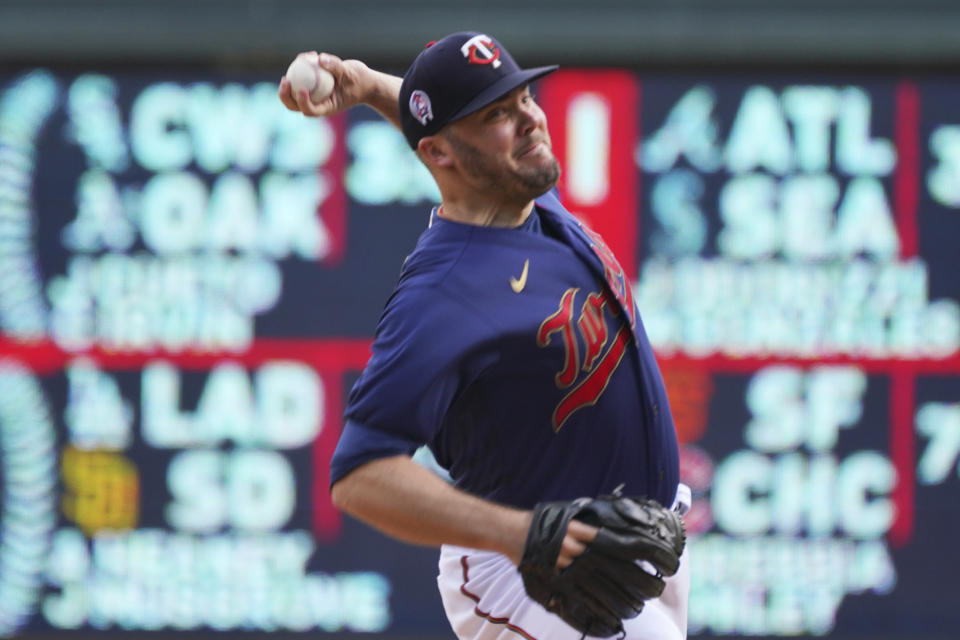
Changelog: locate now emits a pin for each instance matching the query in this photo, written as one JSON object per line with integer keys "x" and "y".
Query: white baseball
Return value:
{"x": 305, "y": 72}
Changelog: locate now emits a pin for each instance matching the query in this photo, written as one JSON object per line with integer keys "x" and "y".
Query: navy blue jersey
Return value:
{"x": 521, "y": 360}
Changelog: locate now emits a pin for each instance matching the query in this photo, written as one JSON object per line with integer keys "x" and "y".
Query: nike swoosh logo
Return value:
{"x": 518, "y": 285}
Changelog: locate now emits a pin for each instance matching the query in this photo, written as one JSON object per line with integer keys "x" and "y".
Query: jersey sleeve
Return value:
{"x": 423, "y": 354}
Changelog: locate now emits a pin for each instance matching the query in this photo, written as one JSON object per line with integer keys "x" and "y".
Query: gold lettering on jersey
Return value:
{"x": 599, "y": 360}
{"x": 562, "y": 321}
{"x": 595, "y": 383}
{"x": 518, "y": 285}
{"x": 593, "y": 328}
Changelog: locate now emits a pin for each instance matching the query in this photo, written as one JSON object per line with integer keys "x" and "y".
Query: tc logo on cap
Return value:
{"x": 481, "y": 49}
{"x": 420, "y": 107}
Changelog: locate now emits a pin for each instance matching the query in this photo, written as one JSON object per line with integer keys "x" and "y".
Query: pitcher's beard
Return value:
{"x": 526, "y": 182}
{"x": 539, "y": 180}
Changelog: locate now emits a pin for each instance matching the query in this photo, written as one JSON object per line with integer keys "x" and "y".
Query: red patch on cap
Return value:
{"x": 430, "y": 44}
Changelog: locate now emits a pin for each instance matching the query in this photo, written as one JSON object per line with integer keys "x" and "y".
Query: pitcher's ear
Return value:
{"x": 434, "y": 150}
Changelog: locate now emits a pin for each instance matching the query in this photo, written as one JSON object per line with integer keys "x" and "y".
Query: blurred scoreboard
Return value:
{"x": 190, "y": 278}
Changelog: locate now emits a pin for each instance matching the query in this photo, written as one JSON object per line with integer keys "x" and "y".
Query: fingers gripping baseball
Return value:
{"x": 348, "y": 87}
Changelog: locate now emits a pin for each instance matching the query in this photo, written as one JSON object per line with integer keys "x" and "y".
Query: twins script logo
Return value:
{"x": 481, "y": 49}
{"x": 420, "y": 107}
{"x": 590, "y": 374}
{"x": 589, "y": 377}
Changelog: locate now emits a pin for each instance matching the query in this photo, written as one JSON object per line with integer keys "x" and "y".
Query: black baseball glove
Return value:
{"x": 607, "y": 583}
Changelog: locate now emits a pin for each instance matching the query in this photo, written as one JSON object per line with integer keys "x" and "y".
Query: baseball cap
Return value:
{"x": 454, "y": 77}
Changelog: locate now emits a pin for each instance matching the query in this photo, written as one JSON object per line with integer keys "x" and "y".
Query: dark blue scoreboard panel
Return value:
{"x": 190, "y": 277}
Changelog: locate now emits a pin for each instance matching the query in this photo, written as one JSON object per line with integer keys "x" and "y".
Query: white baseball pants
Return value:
{"x": 484, "y": 599}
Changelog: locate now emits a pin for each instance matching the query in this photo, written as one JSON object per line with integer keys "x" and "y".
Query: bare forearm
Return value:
{"x": 382, "y": 95}
{"x": 408, "y": 502}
